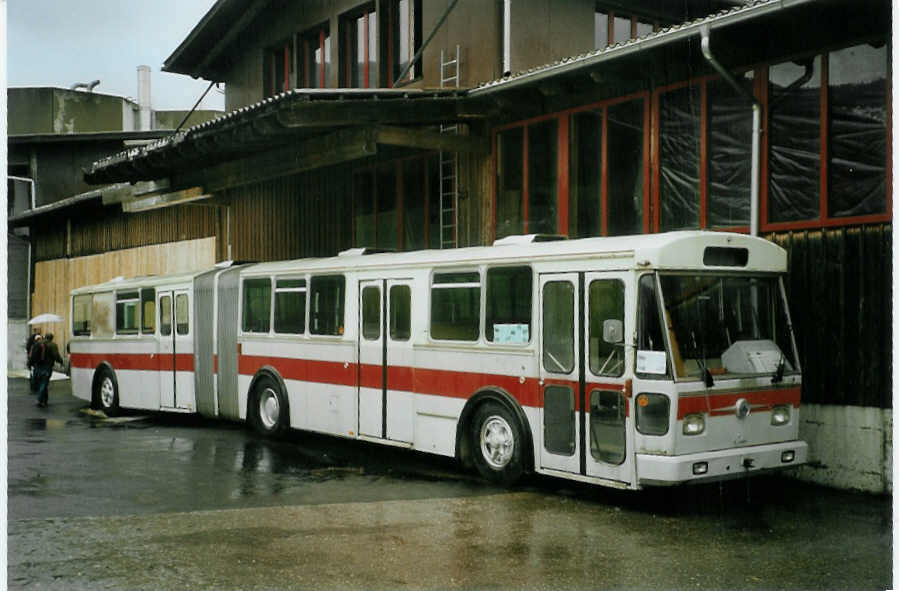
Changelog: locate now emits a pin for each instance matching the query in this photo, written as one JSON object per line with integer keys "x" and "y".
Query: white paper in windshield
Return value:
{"x": 652, "y": 362}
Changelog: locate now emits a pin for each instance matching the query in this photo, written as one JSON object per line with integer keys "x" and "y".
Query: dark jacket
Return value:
{"x": 44, "y": 355}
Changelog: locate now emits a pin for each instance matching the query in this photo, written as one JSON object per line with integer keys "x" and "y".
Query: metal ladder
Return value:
{"x": 449, "y": 163}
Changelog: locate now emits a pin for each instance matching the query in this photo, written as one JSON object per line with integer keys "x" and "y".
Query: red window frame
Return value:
{"x": 308, "y": 42}
{"x": 347, "y": 55}
{"x": 563, "y": 162}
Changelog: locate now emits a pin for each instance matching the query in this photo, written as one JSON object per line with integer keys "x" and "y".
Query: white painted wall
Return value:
{"x": 850, "y": 447}
{"x": 17, "y": 333}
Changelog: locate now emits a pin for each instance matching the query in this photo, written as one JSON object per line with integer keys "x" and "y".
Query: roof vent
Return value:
{"x": 352, "y": 252}
{"x": 529, "y": 239}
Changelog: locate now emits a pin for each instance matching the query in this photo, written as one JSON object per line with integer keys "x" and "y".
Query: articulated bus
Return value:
{"x": 627, "y": 362}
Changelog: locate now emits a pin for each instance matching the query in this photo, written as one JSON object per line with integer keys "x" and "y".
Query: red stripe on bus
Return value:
{"x": 305, "y": 370}
{"x": 722, "y": 404}
{"x": 135, "y": 361}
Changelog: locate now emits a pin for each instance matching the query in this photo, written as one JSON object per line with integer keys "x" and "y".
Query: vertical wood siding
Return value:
{"x": 840, "y": 291}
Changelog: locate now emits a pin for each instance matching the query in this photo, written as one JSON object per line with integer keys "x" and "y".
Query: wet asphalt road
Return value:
{"x": 177, "y": 502}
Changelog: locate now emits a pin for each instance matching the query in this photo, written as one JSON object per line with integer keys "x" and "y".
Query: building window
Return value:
{"x": 607, "y": 167}
{"x": 528, "y": 179}
{"x": 611, "y": 27}
{"x": 794, "y": 141}
{"x": 277, "y": 68}
{"x": 404, "y": 38}
{"x": 729, "y": 154}
{"x": 359, "y": 48}
{"x": 680, "y": 115}
{"x": 396, "y": 205}
{"x": 314, "y": 58}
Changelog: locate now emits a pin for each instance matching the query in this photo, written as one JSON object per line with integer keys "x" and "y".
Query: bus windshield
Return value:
{"x": 727, "y": 325}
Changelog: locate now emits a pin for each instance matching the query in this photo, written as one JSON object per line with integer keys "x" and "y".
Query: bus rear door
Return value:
{"x": 585, "y": 410}
{"x": 386, "y": 408}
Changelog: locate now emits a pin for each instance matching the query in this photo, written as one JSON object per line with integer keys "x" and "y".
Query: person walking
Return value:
{"x": 49, "y": 355}
{"x": 34, "y": 352}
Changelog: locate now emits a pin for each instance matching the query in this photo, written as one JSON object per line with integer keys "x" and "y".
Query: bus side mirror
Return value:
{"x": 613, "y": 331}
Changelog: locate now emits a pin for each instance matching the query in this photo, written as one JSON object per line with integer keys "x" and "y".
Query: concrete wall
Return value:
{"x": 850, "y": 447}
{"x": 16, "y": 335}
{"x": 58, "y": 110}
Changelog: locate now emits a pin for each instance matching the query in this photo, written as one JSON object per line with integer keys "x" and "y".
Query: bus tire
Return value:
{"x": 270, "y": 413}
{"x": 496, "y": 443}
{"x": 107, "y": 392}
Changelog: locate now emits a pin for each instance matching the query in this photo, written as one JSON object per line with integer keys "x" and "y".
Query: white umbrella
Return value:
{"x": 45, "y": 318}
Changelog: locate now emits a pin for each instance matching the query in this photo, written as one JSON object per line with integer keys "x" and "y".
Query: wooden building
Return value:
{"x": 415, "y": 124}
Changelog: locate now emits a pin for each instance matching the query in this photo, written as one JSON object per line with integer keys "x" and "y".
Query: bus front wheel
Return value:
{"x": 107, "y": 392}
{"x": 496, "y": 444}
{"x": 269, "y": 408}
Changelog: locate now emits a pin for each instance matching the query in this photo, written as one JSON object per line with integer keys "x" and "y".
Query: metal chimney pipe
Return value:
{"x": 144, "y": 97}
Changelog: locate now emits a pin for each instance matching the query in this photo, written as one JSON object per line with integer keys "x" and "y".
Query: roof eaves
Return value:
{"x": 750, "y": 10}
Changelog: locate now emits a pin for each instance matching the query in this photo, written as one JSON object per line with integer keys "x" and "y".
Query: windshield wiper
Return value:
{"x": 700, "y": 360}
{"x": 779, "y": 372}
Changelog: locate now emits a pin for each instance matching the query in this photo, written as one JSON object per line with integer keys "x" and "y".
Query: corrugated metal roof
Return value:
{"x": 752, "y": 9}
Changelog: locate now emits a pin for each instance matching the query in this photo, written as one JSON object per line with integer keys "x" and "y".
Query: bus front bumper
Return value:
{"x": 656, "y": 470}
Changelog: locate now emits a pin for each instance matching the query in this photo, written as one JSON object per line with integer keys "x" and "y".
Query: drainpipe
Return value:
{"x": 756, "y": 129}
{"x": 507, "y": 37}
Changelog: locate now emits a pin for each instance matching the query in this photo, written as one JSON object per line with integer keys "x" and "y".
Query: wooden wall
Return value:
{"x": 840, "y": 291}
{"x": 54, "y": 279}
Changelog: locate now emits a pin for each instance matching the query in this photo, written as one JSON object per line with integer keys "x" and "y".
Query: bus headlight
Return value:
{"x": 780, "y": 415}
{"x": 694, "y": 424}
{"x": 652, "y": 414}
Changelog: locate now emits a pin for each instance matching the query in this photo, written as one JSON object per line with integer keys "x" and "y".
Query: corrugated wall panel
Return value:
{"x": 204, "y": 319}
{"x": 228, "y": 290}
{"x": 840, "y": 289}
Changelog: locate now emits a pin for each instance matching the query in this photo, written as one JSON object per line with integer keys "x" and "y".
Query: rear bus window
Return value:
{"x": 127, "y": 312}
{"x": 82, "y": 306}
{"x": 456, "y": 306}
{"x": 257, "y": 304}
{"x": 326, "y": 301}
{"x": 509, "y": 305}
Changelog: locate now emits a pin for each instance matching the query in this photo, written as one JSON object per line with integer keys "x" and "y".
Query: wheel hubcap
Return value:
{"x": 269, "y": 408}
{"x": 107, "y": 392}
{"x": 497, "y": 442}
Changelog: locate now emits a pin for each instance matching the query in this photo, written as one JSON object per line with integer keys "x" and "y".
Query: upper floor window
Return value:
{"x": 404, "y": 38}
{"x": 314, "y": 58}
{"x": 611, "y": 27}
{"x": 277, "y": 68}
{"x": 359, "y": 48}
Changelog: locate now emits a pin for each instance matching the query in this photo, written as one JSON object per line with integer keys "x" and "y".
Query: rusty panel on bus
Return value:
{"x": 228, "y": 294}
{"x": 204, "y": 364}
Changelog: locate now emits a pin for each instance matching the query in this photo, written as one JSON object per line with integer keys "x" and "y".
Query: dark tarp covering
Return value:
{"x": 794, "y": 154}
{"x": 679, "y": 135}
{"x": 730, "y": 156}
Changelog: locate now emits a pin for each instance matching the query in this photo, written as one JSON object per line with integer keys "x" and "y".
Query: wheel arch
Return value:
{"x": 267, "y": 371}
{"x": 501, "y": 396}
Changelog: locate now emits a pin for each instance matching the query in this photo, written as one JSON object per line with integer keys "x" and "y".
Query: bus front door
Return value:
{"x": 386, "y": 406}
{"x": 586, "y": 419}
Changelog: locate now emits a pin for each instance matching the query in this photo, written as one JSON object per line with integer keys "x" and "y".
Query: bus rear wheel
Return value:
{"x": 496, "y": 444}
{"x": 107, "y": 392}
{"x": 270, "y": 413}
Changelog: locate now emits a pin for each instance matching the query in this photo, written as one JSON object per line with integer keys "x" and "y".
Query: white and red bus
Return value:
{"x": 627, "y": 362}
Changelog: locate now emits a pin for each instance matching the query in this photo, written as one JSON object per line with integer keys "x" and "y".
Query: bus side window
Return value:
{"x": 400, "y": 312}
{"x": 165, "y": 315}
{"x": 126, "y": 312}
{"x": 82, "y": 306}
{"x": 290, "y": 306}
{"x": 182, "y": 314}
{"x": 326, "y": 301}
{"x": 257, "y": 304}
{"x": 509, "y": 305}
{"x": 148, "y": 310}
{"x": 606, "y": 304}
{"x": 456, "y": 306}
